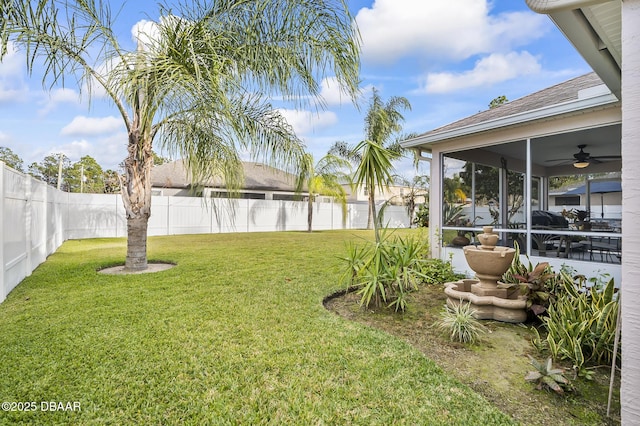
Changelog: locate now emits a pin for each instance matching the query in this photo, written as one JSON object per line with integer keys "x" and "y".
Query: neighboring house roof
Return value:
{"x": 257, "y": 176}
{"x": 578, "y": 93}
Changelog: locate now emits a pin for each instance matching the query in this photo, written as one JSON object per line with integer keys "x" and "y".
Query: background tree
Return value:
{"x": 415, "y": 190}
{"x": 198, "y": 83}
{"x": 86, "y": 175}
{"x": 454, "y": 189}
{"x": 346, "y": 151}
{"x": 323, "y": 178}
{"x": 411, "y": 192}
{"x": 50, "y": 167}
{"x": 487, "y": 185}
{"x": 375, "y": 154}
{"x": 158, "y": 160}
{"x": 502, "y": 99}
{"x": 11, "y": 159}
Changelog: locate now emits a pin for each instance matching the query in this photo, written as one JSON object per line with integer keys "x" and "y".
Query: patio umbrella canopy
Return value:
{"x": 598, "y": 188}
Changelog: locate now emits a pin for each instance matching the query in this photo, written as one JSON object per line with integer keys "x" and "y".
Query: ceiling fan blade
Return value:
{"x": 607, "y": 157}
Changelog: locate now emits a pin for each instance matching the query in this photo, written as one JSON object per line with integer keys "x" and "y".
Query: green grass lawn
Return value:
{"x": 235, "y": 334}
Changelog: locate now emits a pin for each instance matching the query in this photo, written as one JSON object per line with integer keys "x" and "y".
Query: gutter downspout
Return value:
{"x": 549, "y": 6}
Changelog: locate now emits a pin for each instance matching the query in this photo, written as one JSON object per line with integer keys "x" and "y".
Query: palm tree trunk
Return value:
{"x": 372, "y": 212}
{"x": 136, "y": 244}
{"x": 136, "y": 197}
{"x": 309, "y": 213}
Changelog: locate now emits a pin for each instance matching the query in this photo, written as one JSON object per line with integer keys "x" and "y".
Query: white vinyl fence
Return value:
{"x": 36, "y": 219}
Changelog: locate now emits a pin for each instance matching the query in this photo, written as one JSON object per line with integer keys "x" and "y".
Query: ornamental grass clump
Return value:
{"x": 459, "y": 323}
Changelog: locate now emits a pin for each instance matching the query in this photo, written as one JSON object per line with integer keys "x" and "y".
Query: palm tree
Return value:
{"x": 374, "y": 171}
{"x": 199, "y": 82}
{"x": 324, "y": 178}
{"x": 416, "y": 188}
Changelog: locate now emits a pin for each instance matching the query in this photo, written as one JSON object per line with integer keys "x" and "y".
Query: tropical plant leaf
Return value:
{"x": 552, "y": 384}
{"x": 533, "y": 376}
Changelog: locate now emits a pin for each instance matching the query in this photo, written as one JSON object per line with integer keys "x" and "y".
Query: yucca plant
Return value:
{"x": 546, "y": 376}
{"x": 356, "y": 258}
{"x": 386, "y": 271}
{"x": 460, "y": 324}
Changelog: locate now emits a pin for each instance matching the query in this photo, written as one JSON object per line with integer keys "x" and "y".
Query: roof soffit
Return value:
{"x": 594, "y": 27}
{"x": 551, "y": 113}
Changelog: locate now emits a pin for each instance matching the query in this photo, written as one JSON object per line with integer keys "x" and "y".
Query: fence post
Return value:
{"x": 3, "y": 292}
{"x": 27, "y": 224}
{"x": 168, "y": 215}
{"x": 116, "y": 218}
{"x": 331, "y": 212}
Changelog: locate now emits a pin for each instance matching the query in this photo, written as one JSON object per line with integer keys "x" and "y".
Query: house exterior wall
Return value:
{"x": 629, "y": 393}
{"x": 360, "y": 195}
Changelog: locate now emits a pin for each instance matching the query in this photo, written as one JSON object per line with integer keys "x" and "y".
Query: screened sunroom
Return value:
{"x": 543, "y": 170}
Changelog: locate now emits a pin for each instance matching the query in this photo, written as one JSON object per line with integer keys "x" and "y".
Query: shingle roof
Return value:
{"x": 256, "y": 176}
{"x": 554, "y": 95}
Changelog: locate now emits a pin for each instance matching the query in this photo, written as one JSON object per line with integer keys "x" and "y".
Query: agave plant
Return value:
{"x": 548, "y": 377}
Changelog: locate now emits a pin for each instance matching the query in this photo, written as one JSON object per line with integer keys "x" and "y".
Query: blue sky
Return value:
{"x": 448, "y": 58}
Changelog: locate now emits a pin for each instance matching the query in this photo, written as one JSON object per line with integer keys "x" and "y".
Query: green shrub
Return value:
{"x": 581, "y": 324}
{"x": 422, "y": 216}
{"x": 459, "y": 323}
{"x": 437, "y": 271}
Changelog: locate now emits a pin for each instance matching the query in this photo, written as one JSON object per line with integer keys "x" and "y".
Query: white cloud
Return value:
{"x": 304, "y": 122}
{"x": 89, "y": 126}
{"x": 108, "y": 151}
{"x": 11, "y": 95}
{"x": 333, "y": 95}
{"x": 57, "y": 97}
{"x": 12, "y": 86}
{"x": 12, "y": 64}
{"x": 74, "y": 150}
{"x": 145, "y": 32}
{"x": 331, "y": 92}
{"x": 393, "y": 29}
{"x": 489, "y": 70}
{"x": 112, "y": 150}
{"x": 148, "y": 33}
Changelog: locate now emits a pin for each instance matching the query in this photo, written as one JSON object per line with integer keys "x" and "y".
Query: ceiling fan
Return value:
{"x": 582, "y": 159}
